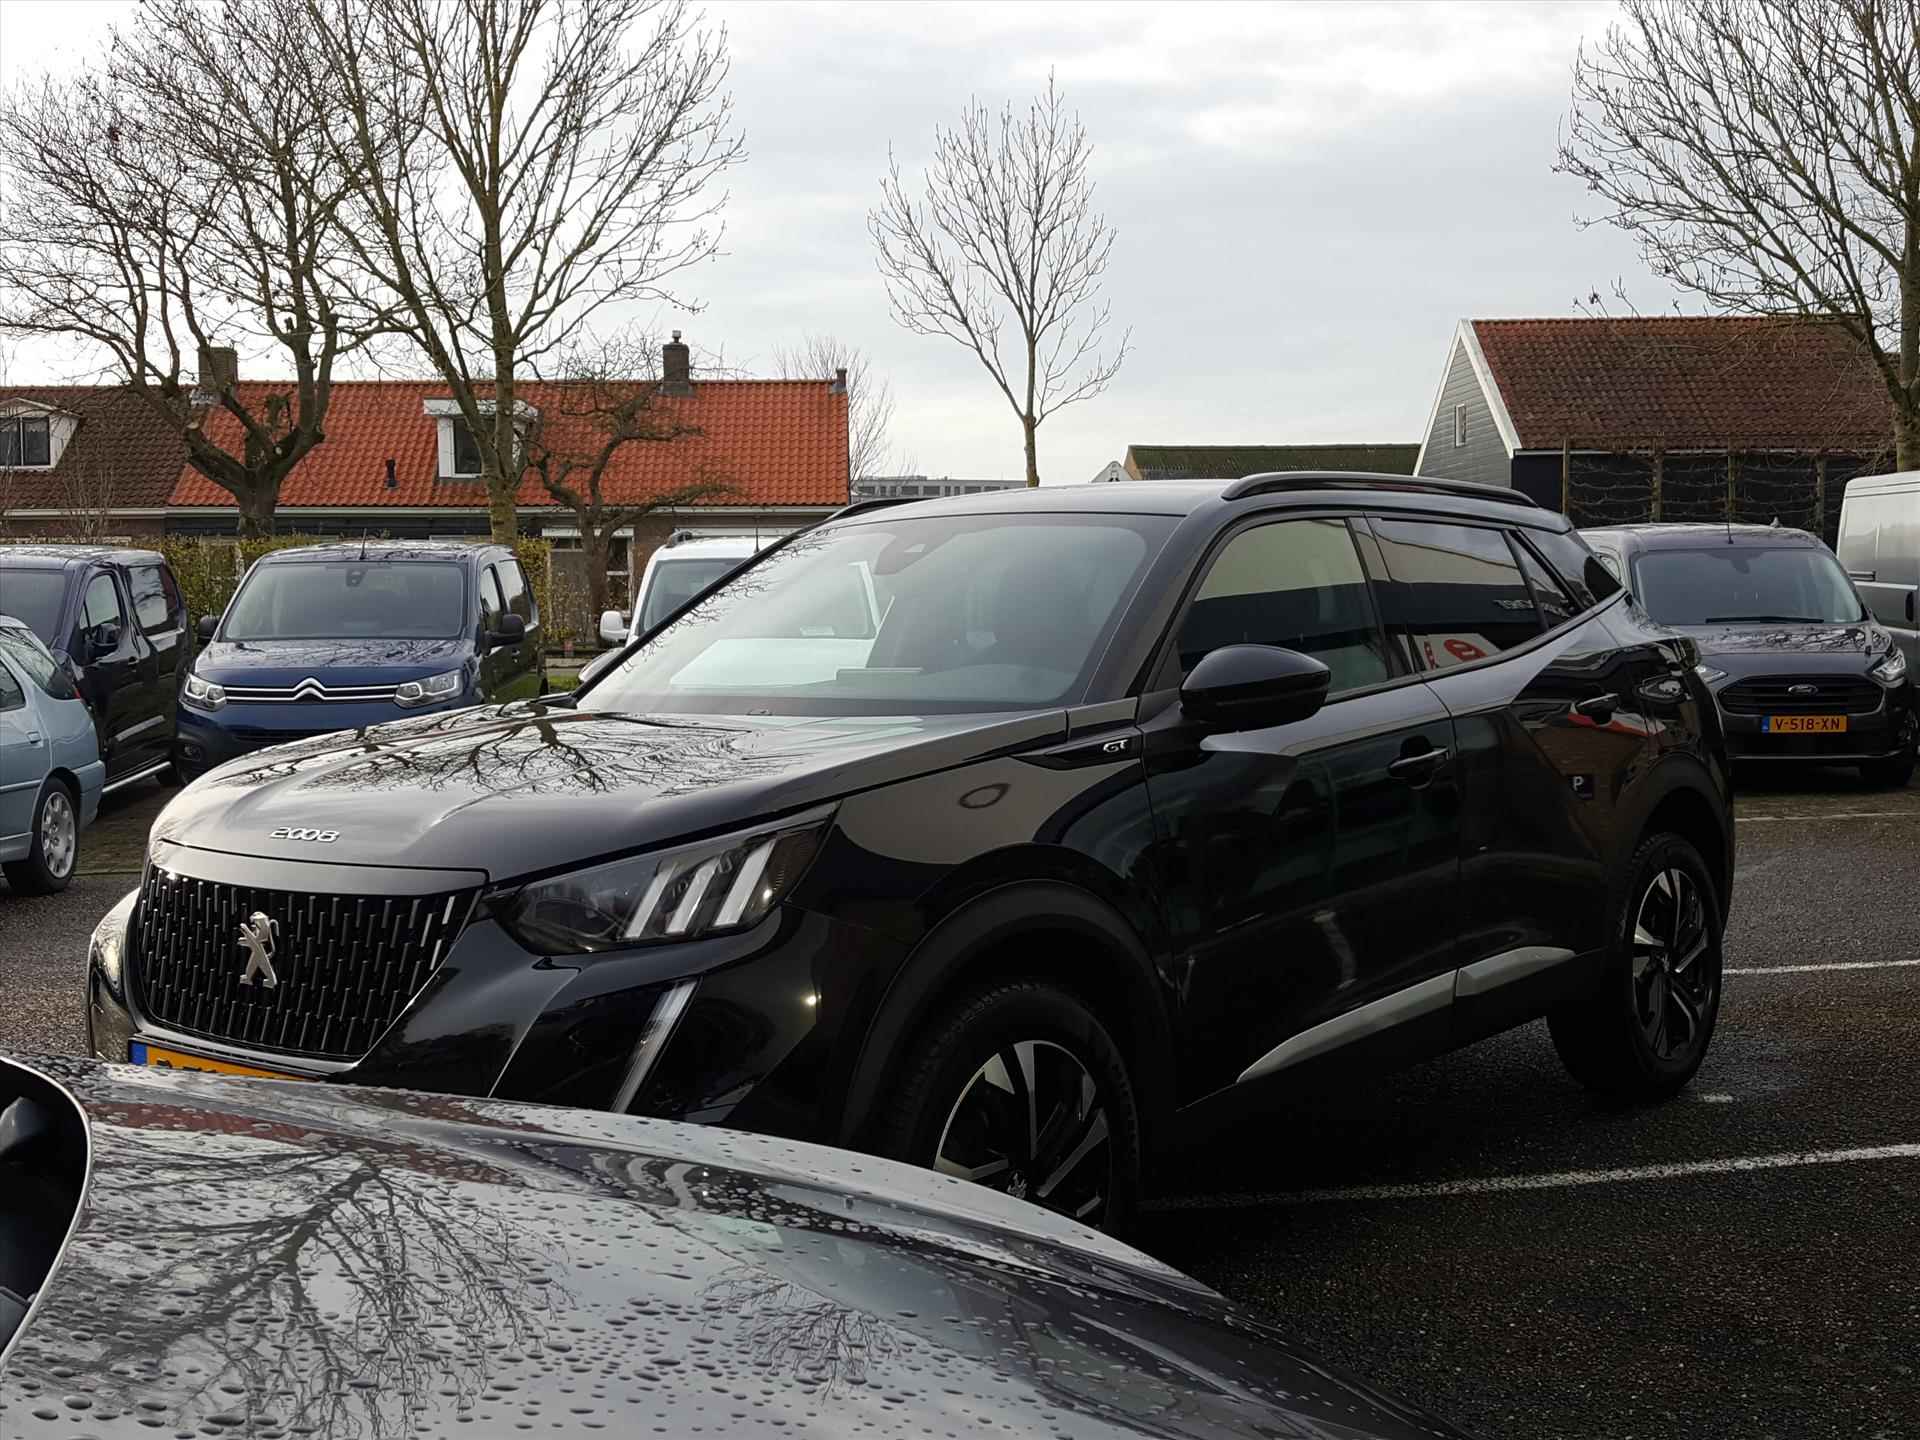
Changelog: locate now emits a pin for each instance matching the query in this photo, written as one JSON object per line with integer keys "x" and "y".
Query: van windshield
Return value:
{"x": 33, "y": 598}
{"x": 674, "y": 582}
{"x": 899, "y": 616}
{"x": 350, "y": 600}
{"x": 1731, "y": 584}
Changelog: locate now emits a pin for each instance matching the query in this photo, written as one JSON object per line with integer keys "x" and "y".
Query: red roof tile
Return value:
{"x": 1686, "y": 383}
{"x": 120, "y": 450}
{"x": 776, "y": 442}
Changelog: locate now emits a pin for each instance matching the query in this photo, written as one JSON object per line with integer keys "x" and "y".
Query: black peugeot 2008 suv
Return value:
{"x": 1002, "y": 834}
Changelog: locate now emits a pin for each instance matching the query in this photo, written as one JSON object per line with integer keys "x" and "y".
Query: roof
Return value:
{"x": 121, "y": 450}
{"x": 1230, "y": 462}
{"x": 1687, "y": 537}
{"x": 776, "y": 442}
{"x": 725, "y": 546}
{"x": 76, "y": 554}
{"x": 383, "y": 550}
{"x": 1697, "y": 382}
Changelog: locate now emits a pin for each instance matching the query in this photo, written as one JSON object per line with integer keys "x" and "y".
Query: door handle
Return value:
{"x": 1597, "y": 707}
{"x": 33, "y": 737}
{"x": 1418, "y": 769}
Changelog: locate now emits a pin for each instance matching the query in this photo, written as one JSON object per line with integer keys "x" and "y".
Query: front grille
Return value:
{"x": 1770, "y": 695}
{"x": 346, "y": 965}
{"x": 308, "y": 690}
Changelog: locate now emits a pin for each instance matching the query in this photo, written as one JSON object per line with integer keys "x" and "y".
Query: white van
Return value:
{"x": 1880, "y": 548}
{"x": 675, "y": 573}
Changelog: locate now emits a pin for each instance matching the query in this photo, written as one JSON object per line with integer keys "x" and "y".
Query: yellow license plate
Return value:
{"x": 141, "y": 1053}
{"x": 1804, "y": 724}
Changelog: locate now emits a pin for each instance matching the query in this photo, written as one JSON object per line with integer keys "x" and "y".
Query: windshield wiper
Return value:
{"x": 1776, "y": 619}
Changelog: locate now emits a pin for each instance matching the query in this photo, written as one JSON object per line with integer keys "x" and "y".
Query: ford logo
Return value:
{"x": 1803, "y": 690}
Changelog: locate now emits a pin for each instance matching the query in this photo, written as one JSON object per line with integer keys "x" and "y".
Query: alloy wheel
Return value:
{"x": 59, "y": 834}
{"x": 1676, "y": 977}
{"x": 1032, "y": 1123}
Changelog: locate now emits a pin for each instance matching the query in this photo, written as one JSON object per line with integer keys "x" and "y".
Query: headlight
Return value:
{"x": 432, "y": 690}
{"x": 203, "y": 694}
{"x": 1892, "y": 668}
{"x": 105, "y": 950}
{"x": 671, "y": 895}
{"x": 1709, "y": 674}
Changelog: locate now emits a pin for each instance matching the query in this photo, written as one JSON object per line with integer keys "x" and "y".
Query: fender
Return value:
{"x": 1681, "y": 772}
{"x": 975, "y": 931}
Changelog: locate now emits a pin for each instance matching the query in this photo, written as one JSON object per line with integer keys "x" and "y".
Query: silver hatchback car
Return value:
{"x": 50, "y": 770}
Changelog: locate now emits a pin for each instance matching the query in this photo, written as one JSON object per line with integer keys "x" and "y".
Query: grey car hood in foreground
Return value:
{"x": 272, "y": 1259}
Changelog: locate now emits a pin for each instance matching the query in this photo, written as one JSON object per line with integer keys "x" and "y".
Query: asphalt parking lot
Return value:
{"x": 1479, "y": 1236}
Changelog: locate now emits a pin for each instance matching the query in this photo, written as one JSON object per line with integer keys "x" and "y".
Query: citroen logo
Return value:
{"x": 309, "y": 689}
{"x": 1803, "y": 690}
{"x": 257, "y": 936}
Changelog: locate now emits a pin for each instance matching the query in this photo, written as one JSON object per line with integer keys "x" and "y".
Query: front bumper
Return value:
{"x": 1883, "y": 733}
{"x": 204, "y": 739}
{"x": 755, "y": 1041}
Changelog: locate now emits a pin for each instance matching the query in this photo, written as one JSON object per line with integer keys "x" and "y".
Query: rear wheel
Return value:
{"x": 1893, "y": 773}
{"x": 1019, "y": 1087}
{"x": 1642, "y": 1032}
{"x": 55, "y": 848}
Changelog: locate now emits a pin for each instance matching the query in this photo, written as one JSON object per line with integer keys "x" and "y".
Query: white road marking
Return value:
{"x": 1713, "y": 1099}
{"x": 1817, "y": 969}
{"x": 1830, "y": 815}
{"x": 1556, "y": 1180}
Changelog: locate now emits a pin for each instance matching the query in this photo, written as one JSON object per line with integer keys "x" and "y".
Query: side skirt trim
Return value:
{"x": 1505, "y": 968}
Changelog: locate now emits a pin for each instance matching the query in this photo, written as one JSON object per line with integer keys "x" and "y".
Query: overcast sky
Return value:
{"x": 1307, "y": 198}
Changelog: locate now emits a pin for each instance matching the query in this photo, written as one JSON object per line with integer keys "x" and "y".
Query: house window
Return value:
{"x": 26, "y": 440}
{"x": 1459, "y": 425}
{"x": 466, "y": 454}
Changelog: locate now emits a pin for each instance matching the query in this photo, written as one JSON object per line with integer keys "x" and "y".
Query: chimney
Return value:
{"x": 392, "y": 484}
{"x": 219, "y": 368}
{"x": 840, "y": 381}
{"x": 676, "y": 367}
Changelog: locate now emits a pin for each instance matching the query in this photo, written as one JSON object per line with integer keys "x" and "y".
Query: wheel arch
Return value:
{"x": 1043, "y": 929}
{"x": 1685, "y": 805}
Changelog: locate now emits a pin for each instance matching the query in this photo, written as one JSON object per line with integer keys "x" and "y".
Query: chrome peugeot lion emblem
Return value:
{"x": 257, "y": 935}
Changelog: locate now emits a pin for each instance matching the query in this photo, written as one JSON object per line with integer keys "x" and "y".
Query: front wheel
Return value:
{"x": 1640, "y": 1035}
{"x": 1019, "y": 1087}
{"x": 55, "y": 846}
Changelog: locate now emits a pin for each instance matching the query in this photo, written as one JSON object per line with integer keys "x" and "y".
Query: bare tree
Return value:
{"x": 547, "y": 168}
{"x": 869, "y": 396}
{"x": 176, "y": 199}
{"x": 606, "y": 401}
{"x": 1766, "y": 155}
{"x": 1006, "y": 230}
{"x": 83, "y": 490}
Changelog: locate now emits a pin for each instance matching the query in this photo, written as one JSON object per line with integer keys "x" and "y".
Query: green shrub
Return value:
{"x": 536, "y": 558}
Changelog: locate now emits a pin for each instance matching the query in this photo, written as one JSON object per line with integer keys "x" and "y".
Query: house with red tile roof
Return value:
{"x": 1660, "y": 417}
{"x": 397, "y": 461}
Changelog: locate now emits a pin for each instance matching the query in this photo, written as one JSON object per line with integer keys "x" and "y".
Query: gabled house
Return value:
{"x": 1230, "y": 462}
{"x": 90, "y": 458}
{"x": 1643, "y": 411}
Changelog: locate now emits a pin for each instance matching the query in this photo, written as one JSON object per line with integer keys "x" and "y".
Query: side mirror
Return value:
{"x": 1249, "y": 687}
{"x": 509, "y": 629}
{"x": 103, "y": 639}
{"x": 613, "y": 628}
{"x": 205, "y": 626}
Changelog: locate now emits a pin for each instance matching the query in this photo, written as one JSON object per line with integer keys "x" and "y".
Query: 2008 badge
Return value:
{"x": 299, "y": 832}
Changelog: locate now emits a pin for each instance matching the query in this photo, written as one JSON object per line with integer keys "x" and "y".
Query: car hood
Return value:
{"x": 1771, "y": 642}
{"x": 524, "y": 787}
{"x": 332, "y": 662}
{"x": 256, "y": 1257}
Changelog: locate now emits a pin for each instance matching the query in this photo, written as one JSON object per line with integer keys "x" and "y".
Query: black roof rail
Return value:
{"x": 860, "y": 507}
{"x": 1268, "y": 484}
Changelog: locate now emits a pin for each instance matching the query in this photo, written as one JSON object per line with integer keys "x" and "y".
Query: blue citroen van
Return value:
{"x": 346, "y": 635}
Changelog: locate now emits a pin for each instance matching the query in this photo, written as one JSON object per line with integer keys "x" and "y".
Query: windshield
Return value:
{"x": 350, "y": 600}
{"x": 674, "y": 582}
{"x": 33, "y": 598}
{"x": 899, "y": 617}
{"x": 1736, "y": 583}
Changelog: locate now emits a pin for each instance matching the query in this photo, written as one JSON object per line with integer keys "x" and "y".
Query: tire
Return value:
{"x": 1622, "y": 1039}
{"x": 957, "y": 1107}
{"x": 55, "y": 848}
{"x": 1893, "y": 773}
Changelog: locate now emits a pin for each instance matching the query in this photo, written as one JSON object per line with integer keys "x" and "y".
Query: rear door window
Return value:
{"x": 150, "y": 605}
{"x": 1590, "y": 575}
{"x": 492, "y": 607}
{"x": 1549, "y": 595}
{"x": 1297, "y": 584}
{"x": 12, "y": 696}
{"x": 513, "y": 587}
{"x": 1454, "y": 594}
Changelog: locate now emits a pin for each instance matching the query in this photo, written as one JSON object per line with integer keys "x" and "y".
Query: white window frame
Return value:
{"x": 60, "y": 428}
{"x": 1459, "y": 426}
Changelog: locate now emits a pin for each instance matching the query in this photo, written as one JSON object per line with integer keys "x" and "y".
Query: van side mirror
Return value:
{"x": 205, "y": 626}
{"x": 1249, "y": 687}
{"x": 613, "y": 628}
{"x": 509, "y": 629}
{"x": 103, "y": 639}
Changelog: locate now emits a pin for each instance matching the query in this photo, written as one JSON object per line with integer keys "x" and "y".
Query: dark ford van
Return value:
{"x": 115, "y": 616}
{"x": 346, "y": 635}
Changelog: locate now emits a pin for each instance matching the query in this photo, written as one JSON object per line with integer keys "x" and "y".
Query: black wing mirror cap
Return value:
{"x": 205, "y": 626}
{"x": 1250, "y": 687}
{"x": 509, "y": 629}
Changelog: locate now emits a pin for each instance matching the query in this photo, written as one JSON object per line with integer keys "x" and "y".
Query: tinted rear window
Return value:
{"x": 350, "y": 600}
{"x": 1456, "y": 594}
{"x": 33, "y": 597}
